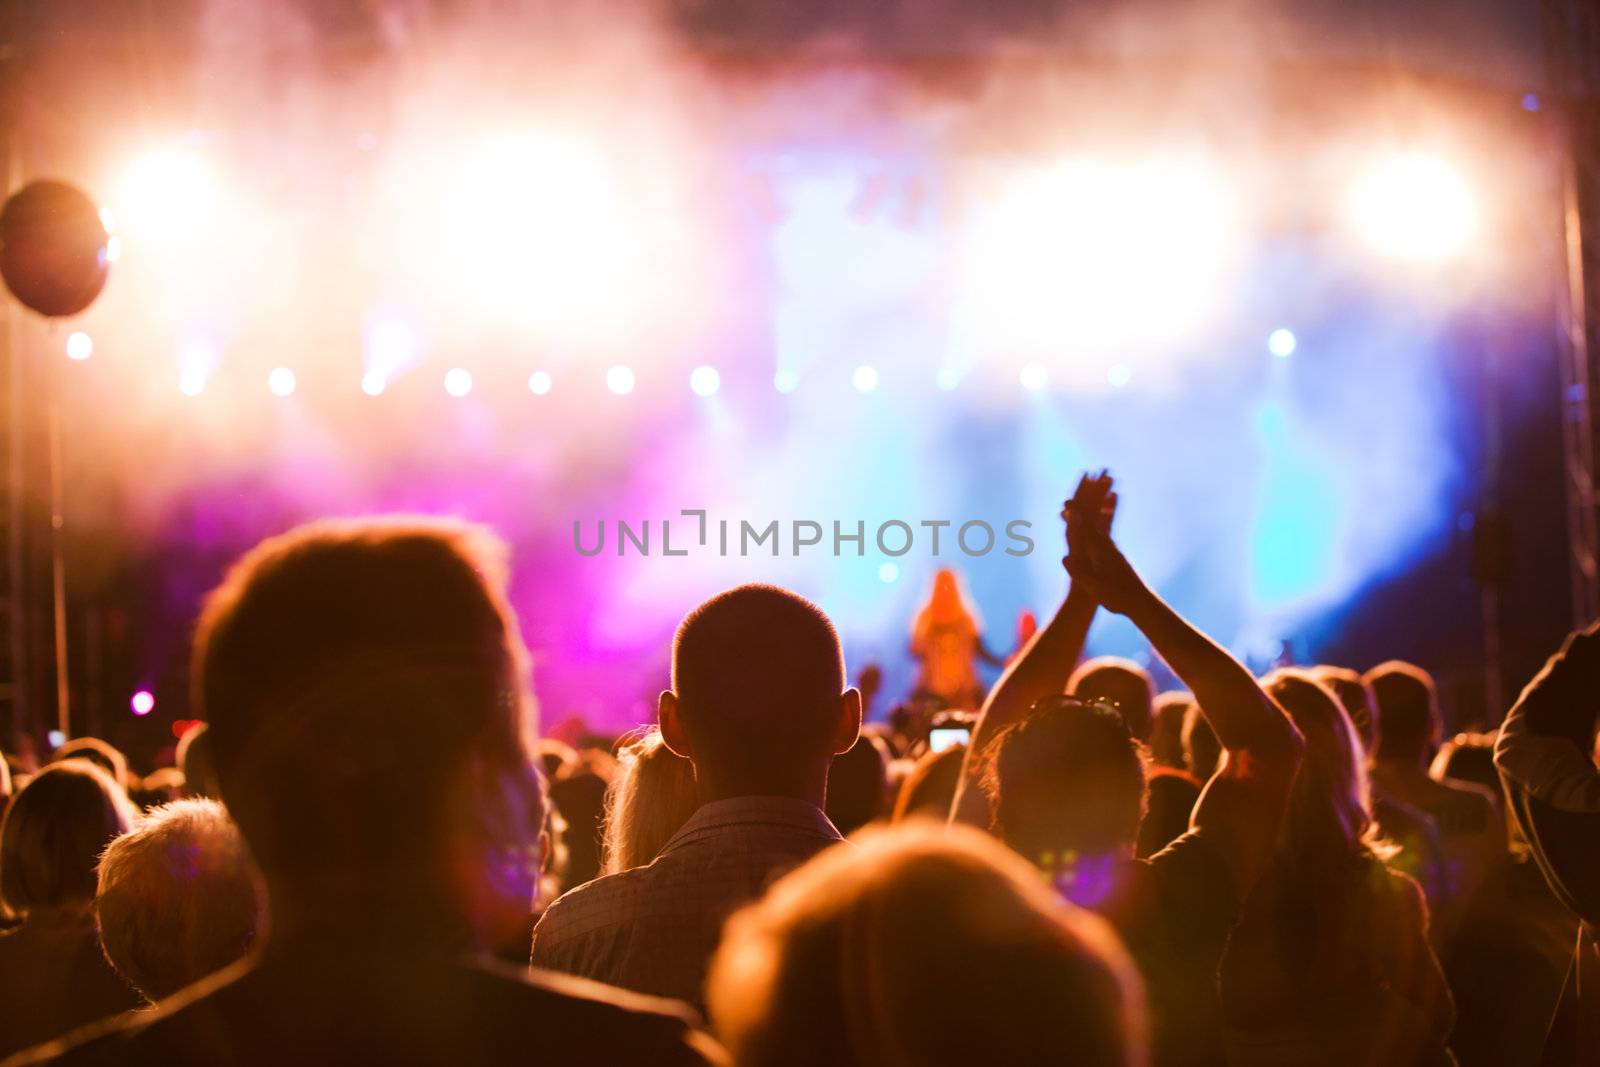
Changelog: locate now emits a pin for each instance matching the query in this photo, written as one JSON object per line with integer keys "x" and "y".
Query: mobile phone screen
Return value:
{"x": 943, "y": 737}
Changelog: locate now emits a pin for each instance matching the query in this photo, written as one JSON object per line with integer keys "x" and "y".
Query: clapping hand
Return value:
{"x": 1093, "y": 559}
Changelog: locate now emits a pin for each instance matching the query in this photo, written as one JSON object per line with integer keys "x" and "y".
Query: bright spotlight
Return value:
{"x": 948, "y": 378}
{"x": 888, "y": 572}
{"x": 191, "y": 381}
{"x": 1034, "y": 377}
{"x": 619, "y": 380}
{"x": 865, "y": 378}
{"x": 281, "y": 381}
{"x": 142, "y": 703}
{"x": 1085, "y": 254}
{"x": 540, "y": 225}
{"x": 1119, "y": 375}
{"x": 785, "y": 381}
{"x": 1414, "y": 207}
{"x": 79, "y": 345}
{"x": 1281, "y": 343}
{"x": 458, "y": 381}
{"x": 705, "y": 381}
{"x": 539, "y": 382}
{"x": 373, "y": 383}
{"x": 167, "y": 190}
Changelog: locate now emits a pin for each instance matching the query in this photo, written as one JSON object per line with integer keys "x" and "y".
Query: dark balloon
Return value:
{"x": 53, "y": 248}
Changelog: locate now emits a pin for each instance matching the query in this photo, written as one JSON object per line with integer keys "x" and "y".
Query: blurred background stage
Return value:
{"x": 1299, "y": 273}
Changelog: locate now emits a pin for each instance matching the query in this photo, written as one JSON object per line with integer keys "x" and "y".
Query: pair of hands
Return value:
{"x": 1093, "y": 560}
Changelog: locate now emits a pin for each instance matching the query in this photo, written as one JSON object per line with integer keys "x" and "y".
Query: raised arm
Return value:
{"x": 1040, "y": 671}
{"x": 1240, "y": 807}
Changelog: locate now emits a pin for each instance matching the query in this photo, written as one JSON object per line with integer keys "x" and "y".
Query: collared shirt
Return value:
{"x": 653, "y": 929}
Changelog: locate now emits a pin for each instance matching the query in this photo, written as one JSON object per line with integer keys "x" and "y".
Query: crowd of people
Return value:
{"x": 366, "y": 855}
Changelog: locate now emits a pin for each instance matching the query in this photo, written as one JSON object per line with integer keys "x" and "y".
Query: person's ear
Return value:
{"x": 849, "y": 727}
{"x": 673, "y": 734}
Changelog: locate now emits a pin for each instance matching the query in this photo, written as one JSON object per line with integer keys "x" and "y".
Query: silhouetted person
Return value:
{"x": 365, "y": 686}
{"x": 1171, "y": 792}
{"x": 1471, "y": 829}
{"x": 1330, "y": 963}
{"x": 923, "y": 946}
{"x": 194, "y": 760}
{"x": 102, "y": 754}
{"x": 1067, "y": 785}
{"x": 53, "y": 977}
{"x": 1421, "y": 846}
{"x": 760, "y": 706}
{"x": 858, "y": 785}
{"x": 930, "y": 785}
{"x": 1546, "y": 759}
{"x": 179, "y": 898}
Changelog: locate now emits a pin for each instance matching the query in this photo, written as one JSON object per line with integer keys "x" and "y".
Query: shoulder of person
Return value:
{"x": 621, "y": 1021}
{"x": 579, "y": 909}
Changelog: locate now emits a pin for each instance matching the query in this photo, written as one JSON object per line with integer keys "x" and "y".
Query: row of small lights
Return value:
{"x": 704, "y": 380}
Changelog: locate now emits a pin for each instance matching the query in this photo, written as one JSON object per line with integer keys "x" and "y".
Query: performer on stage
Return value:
{"x": 947, "y": 640}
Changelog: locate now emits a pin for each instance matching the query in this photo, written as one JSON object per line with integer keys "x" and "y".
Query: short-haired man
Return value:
{"x": 760, "y": 706}
{"x": 1472, "y": 832}
{"x": 178, "y": 898}
{"x": 364, "y": 685}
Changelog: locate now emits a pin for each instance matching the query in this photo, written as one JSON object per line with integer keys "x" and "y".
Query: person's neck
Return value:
{"x": 810, "y": 786}
{"x": 387, "y": 921}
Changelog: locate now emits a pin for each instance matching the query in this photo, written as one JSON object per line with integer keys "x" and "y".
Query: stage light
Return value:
{"x": 1282, "y": 343}
{"x": 191, "y": 381}
{"x": 79, "y": 345}
{"x": 539, "y": 382}
{"x": 281, "y": 381}
{"x": 888, "y": 572}
{"x": 56, "y": 738}
{"x": 142, "y": 703}
{"x": 1034, "y": 377}
{"x": 373, "y": 383}
{"x": 541, "y": 231}
{"x": 865, "y": 378}
{"x": 1414, "y": 207}
{"x": 785, "y": 381}
{"x": 458, "y": 381}
{"x": 705, "y": 381}
{"x": 1118, "y": 375}
{"x": 620, "y": 380}
{"x": 167, "y": 191}
{"x": 948, "y": 378}
{"x": 1084, "y": 254}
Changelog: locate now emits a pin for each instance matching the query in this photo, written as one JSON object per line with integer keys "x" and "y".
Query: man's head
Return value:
{"x": 858, "y": 785}
{"x": 1121, "y": 683}
{"x": 1069, "y": 780}
{"x": 1408, "y": 712}
{"x": 178, "y": 898}
{"x": 364, "y": 684}
{"x": 194, "y": 760}
{"x": 100, "y": 753}
{"x": 1356, "y": 699}
{"x": 758, "y": 700}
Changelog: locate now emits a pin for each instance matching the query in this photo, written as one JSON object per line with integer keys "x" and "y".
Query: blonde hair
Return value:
{"x": 1329, "y": 818}
{"x": 651, "y": 795}
{"x": 853, "y": 959}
